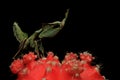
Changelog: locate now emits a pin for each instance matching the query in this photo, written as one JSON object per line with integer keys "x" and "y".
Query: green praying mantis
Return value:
{"x": 48, "y": 30}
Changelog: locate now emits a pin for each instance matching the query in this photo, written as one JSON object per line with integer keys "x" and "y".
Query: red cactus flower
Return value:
{"x": 87, "y": 57}
{"x": 91, "y": 73}
{"x": 49, "y": 68}
{"x": 29, "y": 57}
{"x": 16, "y": 66}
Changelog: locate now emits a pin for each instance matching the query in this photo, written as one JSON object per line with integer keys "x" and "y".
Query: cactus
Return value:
{"x": 39, "y": 67}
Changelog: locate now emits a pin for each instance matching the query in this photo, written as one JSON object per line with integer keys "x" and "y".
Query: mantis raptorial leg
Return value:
{"x": 36, "y": 49}
{"x": 20, "y": 48}
{"x": 39, "y": 47}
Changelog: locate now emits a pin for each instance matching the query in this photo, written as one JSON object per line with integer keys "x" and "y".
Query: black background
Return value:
{"x": 91, "y": 26}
